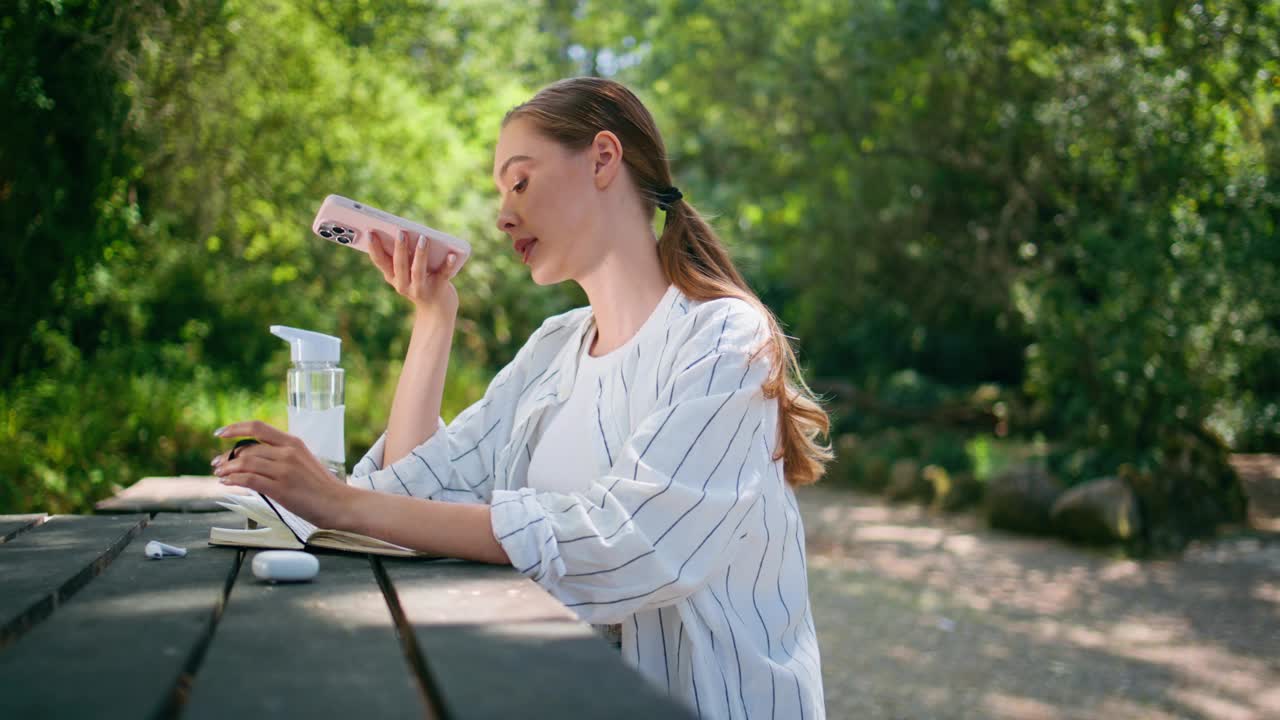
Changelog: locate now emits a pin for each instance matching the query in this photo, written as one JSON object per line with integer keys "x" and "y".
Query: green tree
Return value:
{"x": 233, "y": 120}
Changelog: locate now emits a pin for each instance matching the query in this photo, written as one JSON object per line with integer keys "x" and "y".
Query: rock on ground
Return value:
{"x": 1101, "y": 511}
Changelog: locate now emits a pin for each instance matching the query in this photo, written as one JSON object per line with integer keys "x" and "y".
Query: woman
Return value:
{"x": 638, "y": 456}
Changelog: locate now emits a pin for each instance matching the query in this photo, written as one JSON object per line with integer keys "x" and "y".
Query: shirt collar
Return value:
{"x": 567, "y": 357}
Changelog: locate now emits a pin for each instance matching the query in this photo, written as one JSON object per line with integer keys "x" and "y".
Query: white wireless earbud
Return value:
{"x": 156, "y": 550}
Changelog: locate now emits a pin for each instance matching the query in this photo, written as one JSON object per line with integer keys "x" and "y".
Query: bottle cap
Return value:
{"x": 308, "y": 346}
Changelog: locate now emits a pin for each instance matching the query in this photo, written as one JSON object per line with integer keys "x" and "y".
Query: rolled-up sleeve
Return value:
{"x": 665, "y": 516}
{"x": 437, "y": 469}
{"x": 455, "y": 464}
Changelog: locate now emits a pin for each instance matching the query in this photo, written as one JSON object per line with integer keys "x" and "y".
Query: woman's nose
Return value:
{"x": 506, "y": 220}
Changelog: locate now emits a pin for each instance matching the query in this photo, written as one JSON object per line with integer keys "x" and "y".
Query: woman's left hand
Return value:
{"x": 282, "y": 467}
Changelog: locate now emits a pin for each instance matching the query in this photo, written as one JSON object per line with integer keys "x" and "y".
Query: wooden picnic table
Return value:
{"x": 90, "y": 627}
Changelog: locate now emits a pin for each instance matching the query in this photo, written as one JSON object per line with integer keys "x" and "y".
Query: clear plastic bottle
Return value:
{"x": 317, "y": 399}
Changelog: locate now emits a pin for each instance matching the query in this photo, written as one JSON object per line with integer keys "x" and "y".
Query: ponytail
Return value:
{"x": 695, "y": 260}
{"x": 571, "y": 112}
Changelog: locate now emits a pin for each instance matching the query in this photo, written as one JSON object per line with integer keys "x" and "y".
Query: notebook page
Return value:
{"x": 301, "y": 528}
{"x": 251, "y": 507}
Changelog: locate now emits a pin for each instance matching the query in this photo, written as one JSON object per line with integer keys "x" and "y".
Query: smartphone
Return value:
{"x": 347, "y": 222}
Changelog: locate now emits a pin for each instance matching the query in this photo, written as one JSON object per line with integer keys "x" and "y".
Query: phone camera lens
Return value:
{"x": 326, "y": 234}
{"x": 358, "y": 206}
{"x": 344, "y": 239}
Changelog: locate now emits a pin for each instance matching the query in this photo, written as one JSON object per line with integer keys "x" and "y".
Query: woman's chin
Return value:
{"x": 544, "y": 276}
{"x": 538, "y": 277}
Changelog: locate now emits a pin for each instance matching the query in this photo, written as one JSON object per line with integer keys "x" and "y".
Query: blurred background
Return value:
{"x": 1028, "y": 251}
{"x": 1025, "y": 248}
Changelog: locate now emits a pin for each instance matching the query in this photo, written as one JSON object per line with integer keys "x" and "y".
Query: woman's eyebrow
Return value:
{"x": 512, "y": 159}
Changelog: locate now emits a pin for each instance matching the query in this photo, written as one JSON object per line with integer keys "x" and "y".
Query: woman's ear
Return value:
{"x": 606, "y": 157}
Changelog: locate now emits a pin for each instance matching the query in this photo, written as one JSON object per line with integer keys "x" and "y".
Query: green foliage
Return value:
{"x": 217, "y": 130}
{"x": 991, "y": 176}
{"x": 843, "y": 176}
{"x": 58, "y": 156}
{"x": 1080, "y": 201}
{"x": 989, "y": 456}
{"x": 70, "y": 438}
{"x": 1153, "y": 290}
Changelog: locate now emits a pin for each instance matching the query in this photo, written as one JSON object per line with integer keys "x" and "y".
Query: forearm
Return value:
{"x": 457, "y": 530}
{"x": 420, "y": 389}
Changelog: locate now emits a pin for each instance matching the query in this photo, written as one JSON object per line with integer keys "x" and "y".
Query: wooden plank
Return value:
{"x": 184, "y": 493}
{"x": 11, "y": 525}
{"x": 46, "y": 565}
{"x": 322, "y": 649}
{"x": 488, "y": 658}
{"x": 125, "y": 645}
{"x": 458, "y": 592}
{"x": 541, "y": 668}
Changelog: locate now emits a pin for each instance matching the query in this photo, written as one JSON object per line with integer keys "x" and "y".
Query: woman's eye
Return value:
{"x": 520, "y": 186}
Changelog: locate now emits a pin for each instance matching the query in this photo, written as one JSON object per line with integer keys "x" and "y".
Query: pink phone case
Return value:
{"x": 347, "y": 222}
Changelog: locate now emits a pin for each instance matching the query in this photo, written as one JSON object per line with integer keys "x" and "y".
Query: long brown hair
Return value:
{"x": 571, "y": 112}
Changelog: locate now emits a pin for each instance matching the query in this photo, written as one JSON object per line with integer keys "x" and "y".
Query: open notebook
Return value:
{"x": 268, "y": 524}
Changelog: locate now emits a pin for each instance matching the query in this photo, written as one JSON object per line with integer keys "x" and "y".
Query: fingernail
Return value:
{"x": 218, "y": 471}
{"x": 220, "y": 430}
{"x": 422, "y": 241}
{"x": 224, "y": 481}
{"x": 216, "y": 461}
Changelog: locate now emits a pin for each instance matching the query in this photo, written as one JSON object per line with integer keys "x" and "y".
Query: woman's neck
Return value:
{"x": 623, "y": 289}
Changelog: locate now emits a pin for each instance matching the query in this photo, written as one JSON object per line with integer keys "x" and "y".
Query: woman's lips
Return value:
{"x": 526, "y": 250}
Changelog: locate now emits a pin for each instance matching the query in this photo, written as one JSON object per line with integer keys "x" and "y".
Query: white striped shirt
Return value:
{"x": 691, "y": 540}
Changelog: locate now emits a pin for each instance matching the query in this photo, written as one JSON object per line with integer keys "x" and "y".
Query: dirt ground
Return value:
{"x": 923, "y": 616}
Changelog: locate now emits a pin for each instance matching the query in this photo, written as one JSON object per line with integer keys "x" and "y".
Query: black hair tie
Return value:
{"x": 668, "y": 197}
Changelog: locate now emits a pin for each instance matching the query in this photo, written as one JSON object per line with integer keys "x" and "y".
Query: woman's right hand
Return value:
{"x": 406, "y": 270}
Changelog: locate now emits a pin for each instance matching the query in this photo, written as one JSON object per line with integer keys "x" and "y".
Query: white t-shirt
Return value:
{"x": 559, "y": 463}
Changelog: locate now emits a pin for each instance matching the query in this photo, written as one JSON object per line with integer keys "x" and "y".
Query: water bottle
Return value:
{"x": 316, "y": 395}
